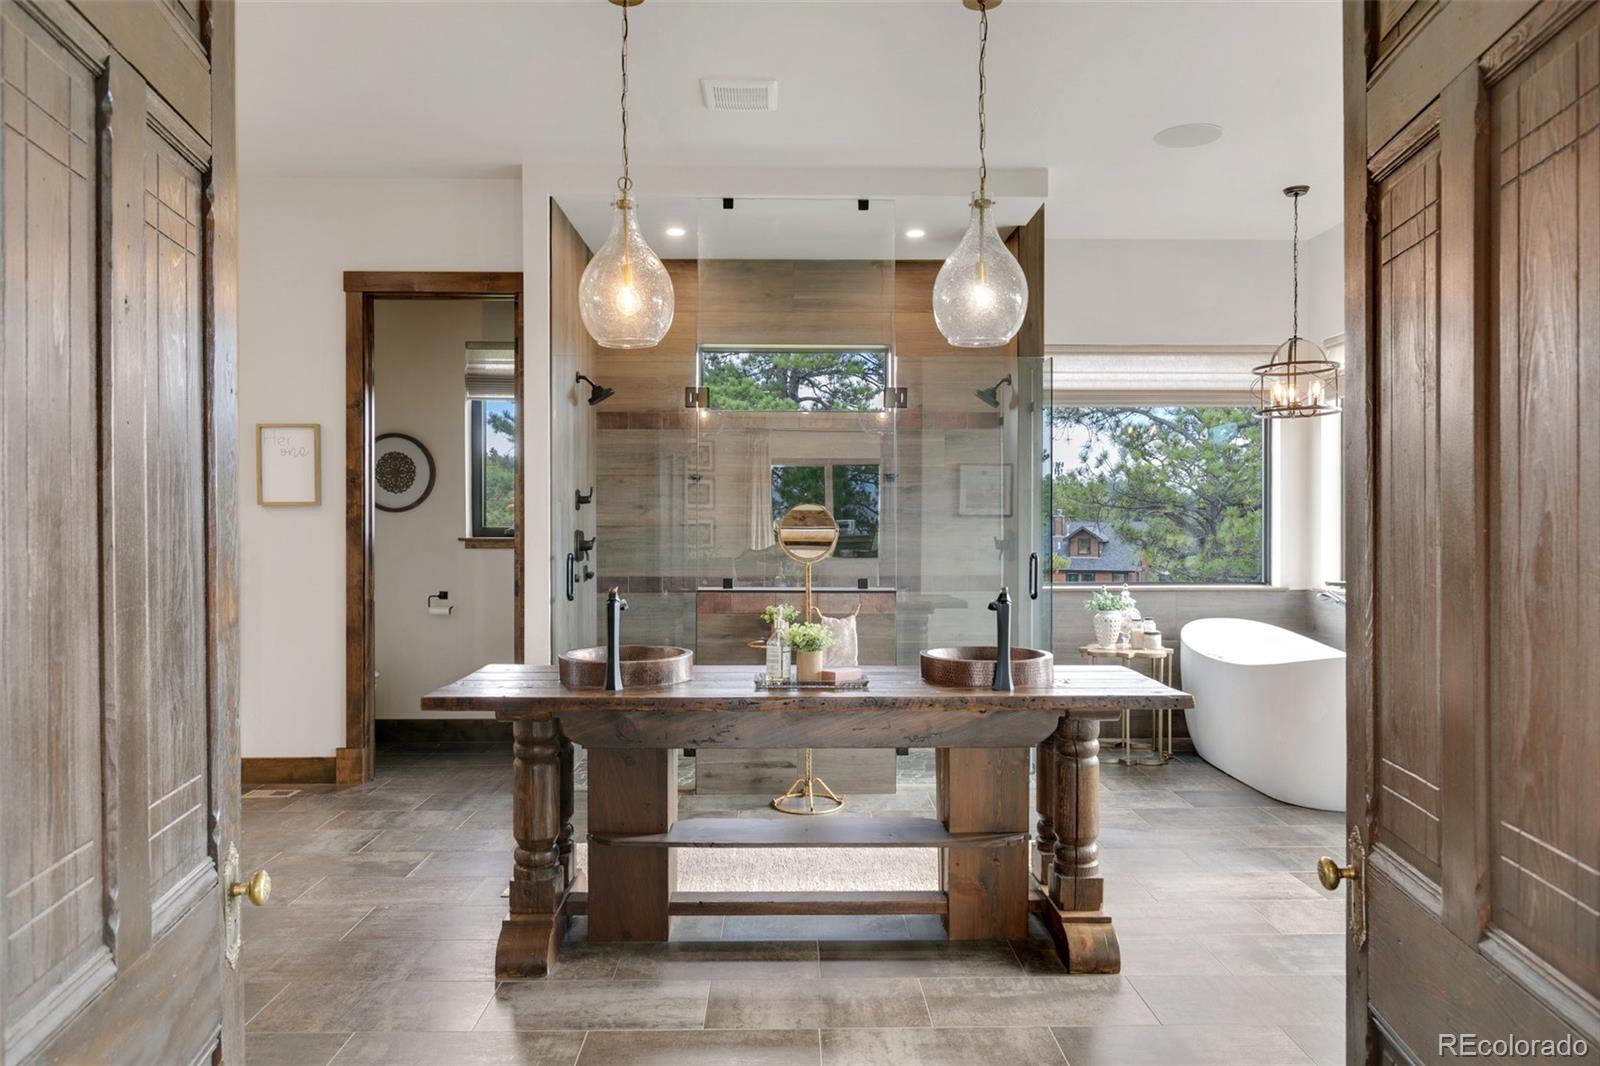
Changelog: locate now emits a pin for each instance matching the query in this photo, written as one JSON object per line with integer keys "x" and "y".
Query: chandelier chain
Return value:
{"x": 624, "y": 183}
{"x": 1294, "y": 329}
{"x": 983, "y": 92}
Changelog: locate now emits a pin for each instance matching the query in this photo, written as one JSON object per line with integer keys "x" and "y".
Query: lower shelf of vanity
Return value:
{"x": 789, "y": 903}
{"x": 824, "y": 831}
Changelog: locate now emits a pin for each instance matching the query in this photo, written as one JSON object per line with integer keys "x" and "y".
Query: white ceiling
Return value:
{"x": 444, "y": 88}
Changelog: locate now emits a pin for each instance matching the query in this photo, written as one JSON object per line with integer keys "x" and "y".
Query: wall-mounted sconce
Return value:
{"x": 598, "y": 394}
{"x": 697, "y": 397}
{"x": 894, "y": 398}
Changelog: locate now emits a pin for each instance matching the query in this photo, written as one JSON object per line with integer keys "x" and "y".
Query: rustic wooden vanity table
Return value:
{"x": 989, "y": 882}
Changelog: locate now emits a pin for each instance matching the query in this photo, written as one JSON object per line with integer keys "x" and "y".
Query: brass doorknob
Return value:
{"x": 1331, "y": 873}
{"x": 256, "y": 890}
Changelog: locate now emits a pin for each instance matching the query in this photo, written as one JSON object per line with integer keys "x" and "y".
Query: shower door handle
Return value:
{"x": 572, "y": 577}
{"x": 1033, "y": 575}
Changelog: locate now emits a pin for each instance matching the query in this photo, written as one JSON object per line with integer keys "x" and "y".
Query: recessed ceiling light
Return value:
{"x": 676, "y": 231}
{"x": 916, "y": 234}
{"x": 1188, "y": 135}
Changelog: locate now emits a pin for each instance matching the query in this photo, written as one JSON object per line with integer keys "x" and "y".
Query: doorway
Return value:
{"x": 480, "y": 515}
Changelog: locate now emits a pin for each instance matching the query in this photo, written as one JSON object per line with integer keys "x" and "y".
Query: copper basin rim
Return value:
{"x": 972, "y": 666}
{"x": 643, "y": 666}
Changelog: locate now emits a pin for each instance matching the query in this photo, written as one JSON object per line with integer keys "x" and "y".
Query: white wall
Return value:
{"x": 418, "y": 351}
{"x": 296, "y": 238}
{"x": 1189, "y": 292}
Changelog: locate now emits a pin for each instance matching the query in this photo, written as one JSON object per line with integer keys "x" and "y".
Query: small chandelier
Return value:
{"x": 625, "y": 295}
{"x": 1300, "y": 381}
{"x": 981, "y": 294}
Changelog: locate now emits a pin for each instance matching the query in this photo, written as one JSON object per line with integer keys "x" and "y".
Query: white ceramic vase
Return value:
{"x": 1107, "y": 628}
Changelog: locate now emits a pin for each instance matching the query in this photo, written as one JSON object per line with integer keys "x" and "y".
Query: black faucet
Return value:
{"x": 1002, "y": 640}
{"x": 615, "y": 605}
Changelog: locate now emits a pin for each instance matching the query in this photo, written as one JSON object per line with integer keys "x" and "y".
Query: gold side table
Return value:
{"x": 1158, "y": 663}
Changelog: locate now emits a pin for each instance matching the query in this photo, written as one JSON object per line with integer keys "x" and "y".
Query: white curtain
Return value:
{"x": 760, "y": 493}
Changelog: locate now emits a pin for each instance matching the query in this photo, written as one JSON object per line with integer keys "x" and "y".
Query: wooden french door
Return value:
{"x": 1472, "y": 419}
{"x": 119, "y": 770}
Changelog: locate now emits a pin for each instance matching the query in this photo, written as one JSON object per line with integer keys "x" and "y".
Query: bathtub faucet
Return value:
{"x": 1332, "y": 596}
{"x": 1002, "y": 640}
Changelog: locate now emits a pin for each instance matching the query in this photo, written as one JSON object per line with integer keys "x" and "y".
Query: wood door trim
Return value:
{"x": 353, "y": 763}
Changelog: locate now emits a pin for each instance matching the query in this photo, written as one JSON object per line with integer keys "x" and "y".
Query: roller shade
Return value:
{"x": 491, "y": 370}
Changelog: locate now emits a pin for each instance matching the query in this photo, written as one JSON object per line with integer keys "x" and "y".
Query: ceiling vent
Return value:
{"x": 739, "y": 94}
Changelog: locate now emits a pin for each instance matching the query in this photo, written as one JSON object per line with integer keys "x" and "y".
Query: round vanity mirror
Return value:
{"x": 807, "y": 534}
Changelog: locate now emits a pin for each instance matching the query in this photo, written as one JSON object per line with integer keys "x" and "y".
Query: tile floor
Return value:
{"x": 378, "y": 944}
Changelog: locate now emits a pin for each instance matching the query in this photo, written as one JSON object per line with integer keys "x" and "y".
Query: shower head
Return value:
{"x": 991, "y": 395}
{"x": 598, "y": 394}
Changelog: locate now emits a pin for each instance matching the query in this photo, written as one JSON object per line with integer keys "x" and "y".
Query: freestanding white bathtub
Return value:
{"x": 1268, "y": 708}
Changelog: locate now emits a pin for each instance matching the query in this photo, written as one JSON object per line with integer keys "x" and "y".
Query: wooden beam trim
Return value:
{"x": 439, "y": 283}
{"x": 289, "y": 770}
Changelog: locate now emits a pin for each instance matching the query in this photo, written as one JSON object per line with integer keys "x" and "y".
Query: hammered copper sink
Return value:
{"x": 643, "y": 666}
{"x": 972, "y": 666}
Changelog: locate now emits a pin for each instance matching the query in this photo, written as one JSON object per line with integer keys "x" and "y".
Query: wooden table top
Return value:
{"x": 517, "y": 691}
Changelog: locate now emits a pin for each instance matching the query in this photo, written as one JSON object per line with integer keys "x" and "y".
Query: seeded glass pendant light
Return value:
{"x": 981, "y": 294}
{"x": 1300, "y": 381}
{"x": 625, "y": 296}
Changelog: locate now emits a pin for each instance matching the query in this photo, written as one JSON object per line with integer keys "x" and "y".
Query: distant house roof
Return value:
{"x": 1115, "y": 556}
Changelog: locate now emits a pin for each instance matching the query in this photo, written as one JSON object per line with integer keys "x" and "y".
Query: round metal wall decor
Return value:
{"x": 402, "y": 474}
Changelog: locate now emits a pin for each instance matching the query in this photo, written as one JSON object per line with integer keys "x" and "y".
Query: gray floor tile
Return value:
{"x": 305, "y": 921}
{"x": 407, "y": 819}
{"x": 815, "y": 927}
{"x": 330, "y": 1006}
{"x": 709, "y": 959}
{"x": 1322, "y": 913}
{"x": 1167, "y": 955}
{"x": 1023, "y": 1001}
{"x": 829, "y": 1003}
{"x": 917, "y": 958}
{"x": 1226, "y": 797}
{"x": 705, "y": 1047}
{"x": 464, "y": 866}
{"x": 1323, "y": 1043}
{"x": 1231, "y": 886}
{"x": 460, "y": 1049}
{"x": 442, "y": 840}
{"x": 292, "y": 1049}
{"x": 1179, "y": 1045}
{"x": 696, "y": 927}
{"x": 1228, "y": 1000}
{"x": 331, "y": 959}
{"x": 258, "y": 992}
{"x": 533, "y": 1005}
{"x": 940, "y": 1047}
{"x": 387, "y": 890}
{"x": 1244, "y": 956}
{"x": 428, "y": 921}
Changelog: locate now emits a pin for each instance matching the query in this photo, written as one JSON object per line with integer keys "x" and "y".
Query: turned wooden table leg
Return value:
{"x": 568, "y": 803}
{"x": 529, "y": 935}
{"x": 1045, "y": 793}
{"x": 1084, "y": 936}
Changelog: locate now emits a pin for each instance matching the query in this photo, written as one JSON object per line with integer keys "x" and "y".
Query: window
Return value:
{"x": 1085, "y": 545}
{"x": 493, "y": 455}
{"x": 850, "y": 490}
{"x": 1179, "y": 493}
{"x": 813, "y": 379}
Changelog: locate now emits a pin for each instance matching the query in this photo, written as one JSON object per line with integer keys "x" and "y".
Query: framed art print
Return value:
{"x": 402, "y": 472}
{"x": 288, "y": 464}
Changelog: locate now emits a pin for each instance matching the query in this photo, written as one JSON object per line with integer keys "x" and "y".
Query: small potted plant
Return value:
{"x": 780, "y": 615}
{"x": 1108, "y": 608}
{"x": 808, "y": 639}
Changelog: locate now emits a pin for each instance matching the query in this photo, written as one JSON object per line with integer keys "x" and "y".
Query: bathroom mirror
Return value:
{"x": 807, "y": 534}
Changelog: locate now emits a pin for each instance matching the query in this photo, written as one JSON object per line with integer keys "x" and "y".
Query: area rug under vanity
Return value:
{"x": 802, "y": 869}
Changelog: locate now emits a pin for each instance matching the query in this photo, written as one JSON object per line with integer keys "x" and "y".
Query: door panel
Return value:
{"x": 118, "y": 774}
{"x": 1545, "y": 837}
{"x": 1474, "y": 290}
{"x": 1405, "y": 357}
{"x": 55, "y": 914}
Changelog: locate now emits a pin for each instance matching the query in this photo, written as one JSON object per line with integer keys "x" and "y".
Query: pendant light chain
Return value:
{"x": 1294, "y": 331}
{"x": 624, "y": 183}
{"x": 983, "y": 92}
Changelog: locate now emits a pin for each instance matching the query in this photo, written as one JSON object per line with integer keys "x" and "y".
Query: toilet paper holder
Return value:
{"x": 441, "y": 607}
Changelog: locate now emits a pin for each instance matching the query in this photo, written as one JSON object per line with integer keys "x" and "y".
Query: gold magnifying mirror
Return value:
{"x": 807, "y": 534}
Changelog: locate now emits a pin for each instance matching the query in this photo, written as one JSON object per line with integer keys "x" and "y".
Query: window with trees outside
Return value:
{"x": 1174, "y": 495}
{"x": 798, "y": 379}
{"x": 849, "y": 490}
{"x": 494, "y": 467}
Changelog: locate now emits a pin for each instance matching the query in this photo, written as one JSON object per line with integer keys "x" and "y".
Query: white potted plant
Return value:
{"x": 1108, "y": 608}
{"x": 808, "y": 639}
